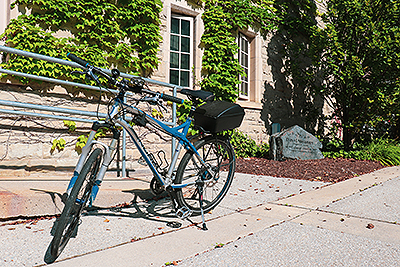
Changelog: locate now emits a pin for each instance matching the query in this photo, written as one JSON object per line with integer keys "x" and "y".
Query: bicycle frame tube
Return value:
{"x": 172, "y": 131}
{"x": 178, "y": 132}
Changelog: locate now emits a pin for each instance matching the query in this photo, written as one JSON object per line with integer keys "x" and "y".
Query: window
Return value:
{"x": 181, "y": 58}
{"x": 244, "y": 61}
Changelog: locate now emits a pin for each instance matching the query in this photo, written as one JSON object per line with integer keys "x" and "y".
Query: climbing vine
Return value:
{"x": 125, "y": 34}
{"x": 222, "y": 22}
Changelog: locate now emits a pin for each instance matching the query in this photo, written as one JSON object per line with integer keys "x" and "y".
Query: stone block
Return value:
{"x": 295, "y": 143}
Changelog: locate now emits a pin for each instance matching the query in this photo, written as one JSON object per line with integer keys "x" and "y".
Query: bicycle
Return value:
{"x": 204, "y": 173}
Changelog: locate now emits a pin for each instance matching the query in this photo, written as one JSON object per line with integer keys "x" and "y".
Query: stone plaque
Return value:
{"x": 295, "y": 143}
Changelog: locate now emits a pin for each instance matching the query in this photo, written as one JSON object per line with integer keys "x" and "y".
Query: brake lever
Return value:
{"x": 160, "y": 104}
{"x": 88, "y": 74}
{"x": 150, "y": 100}
{"x": 155, "y": 100}
{"x": 77, "y": 72}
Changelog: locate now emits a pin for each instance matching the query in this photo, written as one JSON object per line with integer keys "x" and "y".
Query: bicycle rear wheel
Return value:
{"x": 66, "y": 226}
{"x": 219, "y": 156}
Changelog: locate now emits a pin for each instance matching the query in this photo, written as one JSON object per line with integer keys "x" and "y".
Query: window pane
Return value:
{"x": 185, "y": 61}
{"x": 180, "y": 51}
{"x": 175, "y": 25}
{"x": 174, "y": 60}
{"x": 185, "y": 27}
{"x": 184, "y": 78}
{"x": 244, "y": 89}
{"x": 242, "y": 56}
{"x": 245, "y": 45}
{"x": 174, "y": 43}
{"x": 244, "y": 60}
{"x": 185, "y": 44}
{"x": 174, "y": 77}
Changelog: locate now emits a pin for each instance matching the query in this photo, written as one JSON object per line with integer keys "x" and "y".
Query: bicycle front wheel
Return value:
{"x": 219, "y": 156}
{"x": 66, "y": 225}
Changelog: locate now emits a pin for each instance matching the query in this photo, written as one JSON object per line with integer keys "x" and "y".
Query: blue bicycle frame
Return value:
{"x": 115, "y": 117}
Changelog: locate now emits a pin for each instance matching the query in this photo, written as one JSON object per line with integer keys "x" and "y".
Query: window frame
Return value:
{"x": 180, "y": 52}
{"x": 241, "y": 52}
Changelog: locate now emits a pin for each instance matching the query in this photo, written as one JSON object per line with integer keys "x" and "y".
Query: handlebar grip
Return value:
{"x": 78, "y": 60}
{"x": 172, "y": 98}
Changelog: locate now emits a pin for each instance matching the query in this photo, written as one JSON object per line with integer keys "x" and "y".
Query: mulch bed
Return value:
{"x": 326, "y": 170}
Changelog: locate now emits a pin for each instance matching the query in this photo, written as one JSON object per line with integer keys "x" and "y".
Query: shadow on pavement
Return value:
{"x": 144, "y": 205}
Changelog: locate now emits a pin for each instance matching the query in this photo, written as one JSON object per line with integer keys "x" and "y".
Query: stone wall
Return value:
{"x": 254, "y": 126}
{"x": 25, "y": 142}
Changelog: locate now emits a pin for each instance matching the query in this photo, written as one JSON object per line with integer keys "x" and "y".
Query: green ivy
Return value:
{"x": 59, "y": 144}
{"x": 157, "y": 113}
{"x": 222, "y": 22}
{"x": 82, "y": 139}
{"x": 125, "y": 34}
{"x": 81, "y": 142}
{"x": 71, "y": 125}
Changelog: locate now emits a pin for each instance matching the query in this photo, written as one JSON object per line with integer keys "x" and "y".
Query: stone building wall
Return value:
{"x": 254, "y": 126}
{"x": 26, "y": 142}
{"x": 274, "y": 98}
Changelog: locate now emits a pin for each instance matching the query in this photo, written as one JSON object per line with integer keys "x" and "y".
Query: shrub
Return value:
{"x": 246, "y": 147}
{"x": 335, "y": 149}
{"x": 383, "y": 150}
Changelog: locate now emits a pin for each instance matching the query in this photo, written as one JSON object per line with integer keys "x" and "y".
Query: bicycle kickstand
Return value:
{"x": 200, "y": 186}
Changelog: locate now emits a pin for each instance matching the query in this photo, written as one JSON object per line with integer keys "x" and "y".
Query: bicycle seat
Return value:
{"x": 200, "y": 94}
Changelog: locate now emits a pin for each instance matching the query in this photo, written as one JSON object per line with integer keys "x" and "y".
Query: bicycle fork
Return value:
{"x": 108, "y": 157}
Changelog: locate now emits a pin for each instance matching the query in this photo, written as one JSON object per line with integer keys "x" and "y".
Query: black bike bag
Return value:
{"x": 218, "y": 116}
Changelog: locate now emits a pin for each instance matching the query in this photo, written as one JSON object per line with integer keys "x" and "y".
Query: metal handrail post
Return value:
{"x": 173, "y": 144}
{"x": 124, "y": 174}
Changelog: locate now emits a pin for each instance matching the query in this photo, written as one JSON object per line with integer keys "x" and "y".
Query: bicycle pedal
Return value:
{"x": 183, "y": 213}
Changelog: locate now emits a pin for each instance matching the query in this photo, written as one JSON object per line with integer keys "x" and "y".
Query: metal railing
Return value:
{"x": 68, "y": 83}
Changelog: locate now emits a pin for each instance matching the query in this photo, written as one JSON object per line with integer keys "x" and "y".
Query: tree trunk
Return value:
{"x": 346, "y": 128}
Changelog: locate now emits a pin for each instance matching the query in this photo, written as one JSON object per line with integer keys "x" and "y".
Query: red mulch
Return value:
{"x": 327, "y": 170}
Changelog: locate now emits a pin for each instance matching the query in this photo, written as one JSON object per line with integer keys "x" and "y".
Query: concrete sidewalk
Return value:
{"x": 38, "y": 195}
{"x": 263, "y": 221}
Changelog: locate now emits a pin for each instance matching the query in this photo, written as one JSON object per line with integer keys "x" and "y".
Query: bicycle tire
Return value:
{"x": 66, "y": 225}
{"x": 216, "y": 152}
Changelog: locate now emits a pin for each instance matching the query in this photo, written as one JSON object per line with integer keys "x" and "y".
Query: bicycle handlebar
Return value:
{"x": 78, "y": 60}
{"x": 136, "y": 88}
{"x": 172, "y": 98}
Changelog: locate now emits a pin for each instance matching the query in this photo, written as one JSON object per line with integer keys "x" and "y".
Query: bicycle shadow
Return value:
{"x": 144, "y": 205}
{"x": 53, "y": 196}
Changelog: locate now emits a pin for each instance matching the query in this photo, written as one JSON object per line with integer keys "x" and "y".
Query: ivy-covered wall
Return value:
{"x": 134, "y": 36}
{"x": 103, "y": 32}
